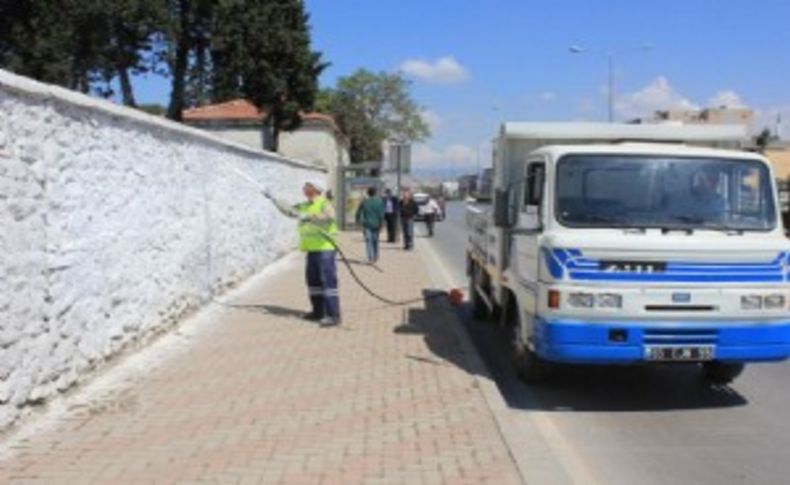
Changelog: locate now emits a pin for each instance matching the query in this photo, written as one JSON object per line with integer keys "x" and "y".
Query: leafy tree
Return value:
{"x": 373, "y": 107}
{"x": 51, "y": 41}
{"x": 129, "y": 31}
{"x": 80, "y": 44}
{"x": 763, "y": 139}
{"x": 261, "y": 50}
{"x": 187, "y": 35}
{"x": 153, "y": 108}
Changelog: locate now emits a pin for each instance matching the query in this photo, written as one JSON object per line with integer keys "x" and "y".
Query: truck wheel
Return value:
{"x": 721, "y": 373}
{"x": 529, "y": 367}
{"x": 479, "y": 308}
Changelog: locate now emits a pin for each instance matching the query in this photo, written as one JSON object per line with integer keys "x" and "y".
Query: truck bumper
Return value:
{"x": 624, "y": 342}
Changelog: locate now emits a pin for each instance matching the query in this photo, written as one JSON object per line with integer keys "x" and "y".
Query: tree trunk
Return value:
{"x": 275, "y": 123}
{"x": 127, "y": 92}
{"x": 176, "y": 107}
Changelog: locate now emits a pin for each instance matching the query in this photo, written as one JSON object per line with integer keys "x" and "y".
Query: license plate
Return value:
{"x": 694, "y": 353}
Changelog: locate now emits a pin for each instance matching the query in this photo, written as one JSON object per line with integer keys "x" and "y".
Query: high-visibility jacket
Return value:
{"x": 313, "y": 234}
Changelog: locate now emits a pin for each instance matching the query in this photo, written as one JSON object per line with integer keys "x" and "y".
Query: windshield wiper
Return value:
{"x": 703, "y": 224}
{"x": 689, "y": 219}
{"x": 600, "y": 218}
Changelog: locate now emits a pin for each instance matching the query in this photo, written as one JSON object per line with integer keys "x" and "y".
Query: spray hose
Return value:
{"x": 290, "y": 211}
{"x": 287, "y": 211}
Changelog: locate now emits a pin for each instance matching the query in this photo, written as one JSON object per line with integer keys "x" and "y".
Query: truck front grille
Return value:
{"x": 680, "y": 336}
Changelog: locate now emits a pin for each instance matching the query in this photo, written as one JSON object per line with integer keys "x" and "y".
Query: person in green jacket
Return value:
{"x": 370, "y": 215}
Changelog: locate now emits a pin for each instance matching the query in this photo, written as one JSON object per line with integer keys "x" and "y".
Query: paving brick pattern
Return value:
{"x": 263, "y": 397}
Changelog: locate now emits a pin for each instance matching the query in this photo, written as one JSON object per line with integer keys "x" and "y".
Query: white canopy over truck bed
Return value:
{"x": 517, "y": 139}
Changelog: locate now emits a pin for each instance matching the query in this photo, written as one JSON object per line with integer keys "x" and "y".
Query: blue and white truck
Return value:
{"x": 632, "y": 244}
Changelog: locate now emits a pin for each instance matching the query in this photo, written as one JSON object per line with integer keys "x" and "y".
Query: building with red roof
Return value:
{"x": 318, "y": 141}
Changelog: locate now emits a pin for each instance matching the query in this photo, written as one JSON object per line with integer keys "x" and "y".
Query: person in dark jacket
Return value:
{"x": 391, "y": 214}
{"x": 408, "y": 209}
{"x": 370, "y": 215}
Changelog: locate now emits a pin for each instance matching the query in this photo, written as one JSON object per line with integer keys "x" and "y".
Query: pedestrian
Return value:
{"x": 317, "y": 227}
{"x": 370, "y": 215}
{"x": 391, "y": 215}
{"x": 408, "y": 209}
{"x": 432, "y": 211}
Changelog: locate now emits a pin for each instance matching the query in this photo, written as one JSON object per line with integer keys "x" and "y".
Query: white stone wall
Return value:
{"x": 113, "y": 224}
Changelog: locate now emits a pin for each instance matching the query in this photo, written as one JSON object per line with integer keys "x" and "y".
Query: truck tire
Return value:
{"x": 721, "y": 373}
{"x": 528, "y": 366}
{"x": 479, "y": 308}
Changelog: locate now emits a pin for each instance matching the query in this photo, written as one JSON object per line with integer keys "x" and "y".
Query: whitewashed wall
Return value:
{"x": 113, "y": 224}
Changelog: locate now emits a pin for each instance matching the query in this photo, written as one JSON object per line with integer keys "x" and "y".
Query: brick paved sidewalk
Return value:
{"x": 253, "y": 394}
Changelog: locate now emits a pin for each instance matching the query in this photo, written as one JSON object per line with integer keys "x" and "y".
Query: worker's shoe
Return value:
{"x": 329, "y": 321}
{"x": 311, "y": 316}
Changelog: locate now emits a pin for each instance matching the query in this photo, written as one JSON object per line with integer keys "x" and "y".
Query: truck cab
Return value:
{"x": 603, "y": 251}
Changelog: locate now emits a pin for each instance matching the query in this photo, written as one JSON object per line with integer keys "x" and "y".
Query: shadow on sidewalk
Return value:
{"x": 275, "y": 310}
{"x": 434, "y": 322}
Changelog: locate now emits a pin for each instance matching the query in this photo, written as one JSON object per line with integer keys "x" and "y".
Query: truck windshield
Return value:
{"x": 673, "y": 193}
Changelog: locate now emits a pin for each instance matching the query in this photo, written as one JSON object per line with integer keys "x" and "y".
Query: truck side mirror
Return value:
{"x": 503, "y": 209}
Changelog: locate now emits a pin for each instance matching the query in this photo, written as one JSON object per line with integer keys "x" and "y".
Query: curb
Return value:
{"x": 480, "y": 373}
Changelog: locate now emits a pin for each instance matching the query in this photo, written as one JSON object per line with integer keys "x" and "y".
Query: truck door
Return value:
{"x": 525, "y": 255}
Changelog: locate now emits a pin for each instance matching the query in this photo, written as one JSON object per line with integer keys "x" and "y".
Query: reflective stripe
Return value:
{"x": 313, "y": 290}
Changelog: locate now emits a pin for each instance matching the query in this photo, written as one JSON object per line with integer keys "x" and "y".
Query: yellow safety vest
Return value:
{"x": 311, "y": 237}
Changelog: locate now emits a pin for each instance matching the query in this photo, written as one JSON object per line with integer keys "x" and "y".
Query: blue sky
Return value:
{"x": 475, "y": 63}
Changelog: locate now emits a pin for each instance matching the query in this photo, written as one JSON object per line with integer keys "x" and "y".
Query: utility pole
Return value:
{"x": 611, "y": 87}
{"x": 399, "y": 167}
{"x": 575, "y": 49}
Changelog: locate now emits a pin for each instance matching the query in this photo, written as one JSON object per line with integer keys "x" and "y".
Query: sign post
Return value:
{"x": 400, "y": 160}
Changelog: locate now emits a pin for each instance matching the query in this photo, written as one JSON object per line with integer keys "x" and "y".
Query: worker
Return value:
{"x": 316, "y": 228}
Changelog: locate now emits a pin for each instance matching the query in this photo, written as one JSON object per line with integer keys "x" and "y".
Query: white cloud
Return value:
{"x": 728, "y": 98}
{"x": 433, "y": 119}
{"x": 445, "y": 70}
{"x": 456, "y": 155}
{"x": 657, "y": 95}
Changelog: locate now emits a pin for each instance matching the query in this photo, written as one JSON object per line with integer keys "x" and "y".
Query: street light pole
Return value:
{"x": 398, "y": 183}
{"x": 575, "y": 49}
{"x": 611, "y": 87}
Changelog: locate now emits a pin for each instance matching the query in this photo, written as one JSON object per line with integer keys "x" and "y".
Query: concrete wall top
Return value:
{"x": 29, "y": 87}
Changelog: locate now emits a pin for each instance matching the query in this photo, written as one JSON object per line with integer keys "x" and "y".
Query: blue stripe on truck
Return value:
{"x": 561, "y": 261}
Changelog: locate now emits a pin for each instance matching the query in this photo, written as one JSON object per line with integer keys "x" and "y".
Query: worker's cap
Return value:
{"x": 314, "y": 185}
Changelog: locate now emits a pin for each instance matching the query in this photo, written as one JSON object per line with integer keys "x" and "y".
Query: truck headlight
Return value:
{"x": 581, "y": 300}
{"x": 751, "y": 302}
{"x": 609, "y": 300}
{"x": 774, "y": 302}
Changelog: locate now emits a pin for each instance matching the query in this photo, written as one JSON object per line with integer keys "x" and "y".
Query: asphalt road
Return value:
{"x": 639, "y": 425}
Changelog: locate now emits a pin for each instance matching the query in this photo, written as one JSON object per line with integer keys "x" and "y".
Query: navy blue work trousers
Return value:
{"x": 321, "y": 274}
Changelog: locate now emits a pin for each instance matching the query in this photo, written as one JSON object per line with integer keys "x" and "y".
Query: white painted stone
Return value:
{"x": 113, "y": 225}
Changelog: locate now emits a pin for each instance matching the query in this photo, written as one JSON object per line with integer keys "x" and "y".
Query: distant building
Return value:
{"x": 318, "y": 141}
{"x": 467, "y": 185}
{"x": 711, "y": 116}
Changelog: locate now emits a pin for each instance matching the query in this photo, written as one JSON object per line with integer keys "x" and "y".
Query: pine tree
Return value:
{"x": 261, "y": 51}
